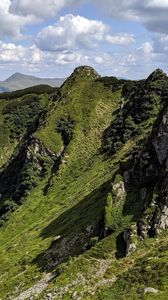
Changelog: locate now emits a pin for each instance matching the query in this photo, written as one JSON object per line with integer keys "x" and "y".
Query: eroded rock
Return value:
{"x": 129, "y": 237}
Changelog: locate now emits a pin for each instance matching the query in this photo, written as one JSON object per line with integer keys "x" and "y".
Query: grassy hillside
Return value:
{"x": 65, "y": 239}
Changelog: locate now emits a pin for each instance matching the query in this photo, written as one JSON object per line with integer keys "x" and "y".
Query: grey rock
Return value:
{"x": 162, "y": 223}
{"x": 150, "y": 290}
{"x": 160, "y": 142}
{"x": 128, "y": 238}
{"x": 119, "y": 188}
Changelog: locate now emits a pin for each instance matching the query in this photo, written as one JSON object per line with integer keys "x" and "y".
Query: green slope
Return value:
{"x": 65, "y": 240}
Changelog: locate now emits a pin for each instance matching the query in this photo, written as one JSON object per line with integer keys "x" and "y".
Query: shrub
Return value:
{"x": 19, "y": 115}
{"x": 66, "y": 127}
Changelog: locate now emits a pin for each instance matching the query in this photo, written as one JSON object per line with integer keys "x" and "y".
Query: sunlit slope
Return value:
{"x": 77, "y": 195}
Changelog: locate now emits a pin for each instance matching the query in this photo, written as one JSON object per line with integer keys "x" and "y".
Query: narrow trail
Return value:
{"x": 37, "y": 289}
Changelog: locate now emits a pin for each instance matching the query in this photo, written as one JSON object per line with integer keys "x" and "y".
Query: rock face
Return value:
{"x": 119, "y": 189}
{"x": 28, "y": 164}
{"x": 114, "y": 203}
{"x": 128, "y": 237}
{"x": 89, "y": 71}
{"x": 146, "y": 181}
{"x": 34, "y": 149}
{"x": 144, "y": 171}
{"x": 160, "y": 142}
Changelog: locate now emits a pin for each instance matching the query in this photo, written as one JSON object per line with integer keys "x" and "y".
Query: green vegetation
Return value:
{"x": 65, "y": 128}
{"x": 38, "y": 90}
{"x": 21, "y": 114}
{"x": 142, "y": 103}
{"x": 91, "y": 146}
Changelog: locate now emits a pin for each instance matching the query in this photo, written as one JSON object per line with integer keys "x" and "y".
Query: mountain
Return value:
{"x": 20, "y": 81}
{"x": 83, "y": 189}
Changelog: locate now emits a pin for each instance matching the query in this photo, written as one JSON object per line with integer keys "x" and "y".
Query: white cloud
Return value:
{"x": 136, "y": 64}
{"x": 11, "y": 53}
{"x": 67, "y": 57}
{"x": 12, "y": 24}
{"x": 120, "y": 39}
{"x": 72, "y": 32}
{"x": 15, "y": 14}
{"x": 34, "y": 58}
{"x": 158, "y": 3}
{"x": 146, "y": 49}
{"x": 39, "y": 8}
{"x": 142, "y": 55}
{"x": 99, "y": 59}
{"x": 152, "y": 13}
{"x": 142, "y": 61}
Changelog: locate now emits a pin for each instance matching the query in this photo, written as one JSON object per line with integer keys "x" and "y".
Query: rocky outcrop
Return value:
{"x": 146, "y": 182}
{"x": 129, "y": 237}
{"x": 83, "y": 73}
{"x": 89, "y": 71}
{"x": 31, "y": 162}
{"x": 119, "y": 189}
{"x": 150, "y": 290}
{"x": 160, "y": 142}
{"x": 113, "y": 207}
{"x": 36, "y": 152}
{"x": 162, "y": 223}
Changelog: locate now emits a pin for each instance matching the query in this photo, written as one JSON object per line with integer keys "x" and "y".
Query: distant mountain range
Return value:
{"x": 21, "y": 81}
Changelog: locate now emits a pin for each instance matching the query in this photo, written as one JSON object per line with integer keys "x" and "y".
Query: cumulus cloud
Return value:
{"x": 135, "y": 64}
{"x": 75, "y": 40}
{"x": 141, "y": 55}
{"x": 11, "y": 24}
{"x": 71, "y": 31}
{"x": 16, "y": 14}
{"x": 39, "y": 8}
{"x": 23, "y": 56}
{"x": 11, "y": 53}
{"x": 138, "y": 63}
{"x": 142, "y": 61}
{"x": 76, "y": 31}
{"x": 152, "y": 13}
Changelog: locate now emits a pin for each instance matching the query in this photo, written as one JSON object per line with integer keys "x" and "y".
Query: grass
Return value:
{"x": 45, "y": 227}
{"x": 22, "y": 239}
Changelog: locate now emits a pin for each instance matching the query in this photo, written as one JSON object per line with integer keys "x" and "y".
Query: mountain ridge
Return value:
{"x": 19, "y": 81}
{"x": 83, "y": 184}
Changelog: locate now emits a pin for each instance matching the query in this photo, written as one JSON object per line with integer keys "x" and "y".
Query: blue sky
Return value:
{"x": 49, "y": 39}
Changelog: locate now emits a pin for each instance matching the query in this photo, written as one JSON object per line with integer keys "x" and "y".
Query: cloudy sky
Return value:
{"x": 126, "y": 38}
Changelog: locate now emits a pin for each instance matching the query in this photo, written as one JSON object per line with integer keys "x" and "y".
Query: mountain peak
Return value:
{"x": 86, "y": 70}
{"x": 19, "y": 81}
{"x": 82, "y": 73}
{"x": 157, "y": 74}
{"x": 19, "y": 76}
{"x": 14, "y": 76}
